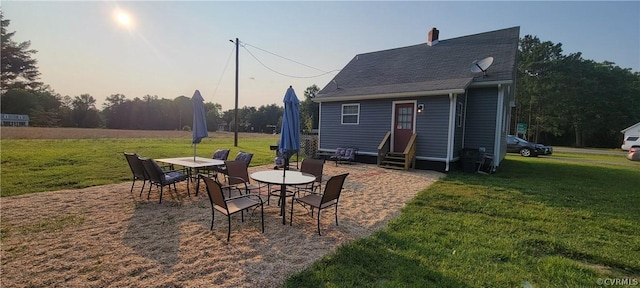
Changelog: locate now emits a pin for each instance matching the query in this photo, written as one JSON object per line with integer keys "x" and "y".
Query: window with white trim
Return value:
{"x": 350, "y": 113}
{"x": 459, "y": 113}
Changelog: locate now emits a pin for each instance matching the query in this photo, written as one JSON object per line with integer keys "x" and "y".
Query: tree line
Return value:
{"x": 570, "y": 101}
{"x": 564, "y": 100}
{"x": 49, "y": 109}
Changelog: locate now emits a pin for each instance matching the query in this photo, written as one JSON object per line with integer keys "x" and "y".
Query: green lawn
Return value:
{"x": 547, "y": 221}
{"x": 38, "y": 165}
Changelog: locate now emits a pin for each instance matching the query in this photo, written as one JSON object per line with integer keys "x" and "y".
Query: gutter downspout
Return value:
{"x": 452, "y": 111}
{"x": 498, "y": 134}
{"x": 464, "y": 117}
{"x": 319, "y": 124}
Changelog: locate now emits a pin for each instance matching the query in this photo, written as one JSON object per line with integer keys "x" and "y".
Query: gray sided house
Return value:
{"x": 423, "y": 104}
{"x": 17, "y": 120}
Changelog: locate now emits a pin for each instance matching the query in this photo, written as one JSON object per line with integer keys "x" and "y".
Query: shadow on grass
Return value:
{"x": 582, "y": 212}
{"x": 596, "y": 189}
{"x": 371, "y": 262}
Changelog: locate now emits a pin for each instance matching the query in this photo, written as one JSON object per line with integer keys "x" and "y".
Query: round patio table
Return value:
{"x": 283, "y": 178}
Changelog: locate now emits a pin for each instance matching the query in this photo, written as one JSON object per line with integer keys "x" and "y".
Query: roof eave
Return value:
{"x": 629, "y": 128}
{"x": 388, "y": 95}
{"x": 490, "y": 83}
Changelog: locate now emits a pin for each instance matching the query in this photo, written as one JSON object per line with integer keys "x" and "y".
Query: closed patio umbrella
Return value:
{"x": 290, "y": 132}
{"x": 289, "y": 137}
{"x": 199, "y": 121}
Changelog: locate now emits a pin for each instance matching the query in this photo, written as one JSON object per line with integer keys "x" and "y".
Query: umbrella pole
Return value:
{"x": 284, "y": 168}
{"x": 194, "y": 152}
{"x": 283, "y": 192}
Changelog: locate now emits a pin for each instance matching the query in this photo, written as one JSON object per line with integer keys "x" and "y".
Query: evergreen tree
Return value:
{"x": 19, "y": 70}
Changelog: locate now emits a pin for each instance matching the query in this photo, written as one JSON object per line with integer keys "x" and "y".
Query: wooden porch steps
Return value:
{"x": 393, "y": 160}
{"x": 397, "y": 160}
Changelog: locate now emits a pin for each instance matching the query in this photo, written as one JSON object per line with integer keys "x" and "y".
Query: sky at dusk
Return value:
{"x": 172, "y": 48}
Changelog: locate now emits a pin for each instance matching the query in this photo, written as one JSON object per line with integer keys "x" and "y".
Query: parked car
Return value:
{"x": 544, "y": 150}
{"x": 630, "y": 141}
{"x": 634, "y": 154}
{"x": 526, "y": 148}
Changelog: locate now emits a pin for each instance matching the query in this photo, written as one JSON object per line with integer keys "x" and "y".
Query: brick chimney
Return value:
{"x": 433, "y": 37}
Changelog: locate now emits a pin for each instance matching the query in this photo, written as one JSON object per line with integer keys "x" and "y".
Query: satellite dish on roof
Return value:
{"x": 482, "y": 65}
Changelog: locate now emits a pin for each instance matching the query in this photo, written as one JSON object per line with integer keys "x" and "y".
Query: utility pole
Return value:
{"x": 235, "y": 121}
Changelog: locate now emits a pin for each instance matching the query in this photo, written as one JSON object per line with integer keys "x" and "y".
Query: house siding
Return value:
{"x": 432, "y": 127}
{"x": 480, "y": 124}
{"x": 375, "y": 122}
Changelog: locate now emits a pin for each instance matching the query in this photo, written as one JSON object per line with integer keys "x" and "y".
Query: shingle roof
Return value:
{"x": 423, "y": 68}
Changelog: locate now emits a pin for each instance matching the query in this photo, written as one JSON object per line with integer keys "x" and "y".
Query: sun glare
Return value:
{"x": 123, "y": 19}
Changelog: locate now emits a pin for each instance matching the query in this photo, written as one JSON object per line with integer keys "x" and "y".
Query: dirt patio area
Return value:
{"x": 106, "y": 236}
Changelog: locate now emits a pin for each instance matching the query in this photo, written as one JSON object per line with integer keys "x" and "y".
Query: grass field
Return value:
{"x": 547, "y": 221}
{"x": 38, "y": 161}
{"x": 561, "y": 221}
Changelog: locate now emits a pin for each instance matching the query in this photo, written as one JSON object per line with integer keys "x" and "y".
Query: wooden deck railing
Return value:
{"x": 410, "y": 153}
{"x": 384, "y": 147}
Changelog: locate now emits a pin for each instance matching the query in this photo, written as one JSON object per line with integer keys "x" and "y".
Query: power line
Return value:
{"x": 287, "y": 75}
{"x": 223, "y": 72}
{"x": 294, "y": 61}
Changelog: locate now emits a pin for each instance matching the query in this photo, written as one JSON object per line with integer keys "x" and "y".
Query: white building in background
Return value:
{"x": 16, "y": 120}
{"x": 631, "y": 136}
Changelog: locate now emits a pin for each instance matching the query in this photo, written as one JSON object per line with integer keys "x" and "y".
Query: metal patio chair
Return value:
{"x": 329, "y": 198}
{"x": 230, "y": 205}
{"x": 161, "y": 178}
